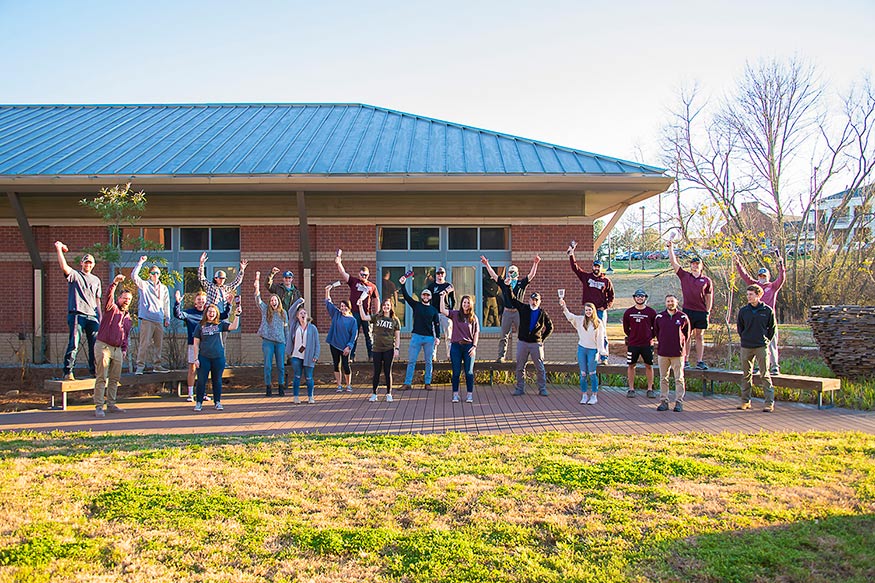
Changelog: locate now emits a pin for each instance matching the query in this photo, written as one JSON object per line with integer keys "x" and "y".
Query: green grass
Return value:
{"x": 445, "y": 508}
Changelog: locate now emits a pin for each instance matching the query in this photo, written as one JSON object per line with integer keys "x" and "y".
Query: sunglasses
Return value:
{"x": 154, "y": 273}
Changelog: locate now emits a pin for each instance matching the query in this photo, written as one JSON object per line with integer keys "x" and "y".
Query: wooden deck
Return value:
{"x": 495, "y": 410}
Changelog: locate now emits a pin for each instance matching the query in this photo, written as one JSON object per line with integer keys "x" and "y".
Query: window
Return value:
{"x": 194, "y": 239}
{"x": 225, "y": 238}
{"x": 159, "y": 236}
{"x": 205, "y": 238}
{"x": 456, "y": 248}
{"x": 493, "y": 238}
{"x": 463, "y": 238}
{"x": 393, "y": 238}
{"x": 490, "y": 238}
{"x": 409, "y": 238}
{"x": 425, "y": 238}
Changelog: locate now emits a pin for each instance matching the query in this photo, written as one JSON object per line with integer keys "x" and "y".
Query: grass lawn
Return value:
{"x": 549, "y": 507}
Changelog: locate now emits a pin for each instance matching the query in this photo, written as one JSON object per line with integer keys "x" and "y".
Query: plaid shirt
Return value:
{"x": 216, "y": 293}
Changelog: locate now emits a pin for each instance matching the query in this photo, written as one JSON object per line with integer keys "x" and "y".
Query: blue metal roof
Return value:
{"x": 265, "y": 139}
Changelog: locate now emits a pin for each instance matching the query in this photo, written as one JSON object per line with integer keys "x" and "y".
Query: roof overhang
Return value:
{"x": 604, "y": 193}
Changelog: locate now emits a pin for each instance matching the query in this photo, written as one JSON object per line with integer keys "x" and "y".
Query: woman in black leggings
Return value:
{"x": 386, "y": 331}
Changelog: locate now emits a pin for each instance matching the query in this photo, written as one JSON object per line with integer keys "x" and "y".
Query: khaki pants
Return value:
{"x": 151, "y": 343}
{"x": 761, "y": 356}
{"x": 108, "y": 362}
{"x": 510, "y": 320}
{"x": 667, "y": 365}
{"x": 525, "y": 350}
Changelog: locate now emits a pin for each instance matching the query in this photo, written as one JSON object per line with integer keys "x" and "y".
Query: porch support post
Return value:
{"x": 304, "y": 234}
{"x": 39, "y": 353}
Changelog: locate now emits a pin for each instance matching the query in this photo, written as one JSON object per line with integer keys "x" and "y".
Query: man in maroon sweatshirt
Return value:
{"x": 110, "y": 348}
{"x": 672, "y": 328}
{"x": 597, "y": 288}
{"x": 638, "y": 327}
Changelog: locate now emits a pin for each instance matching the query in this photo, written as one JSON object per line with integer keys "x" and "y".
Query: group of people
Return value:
{"x": 289, "y": 336}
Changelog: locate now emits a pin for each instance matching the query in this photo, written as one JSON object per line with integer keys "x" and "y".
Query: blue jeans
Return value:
{"x": 273, "y": 351}
{"x": 418, "y": 343}
{"x": 586, "y": 360}
{"x": 603, "y": 316}
{"x": 214, "y": 367}
{"x": 79, "y": 324}
{"x": 298, "y": 368}
{"x": 459, "y": 356}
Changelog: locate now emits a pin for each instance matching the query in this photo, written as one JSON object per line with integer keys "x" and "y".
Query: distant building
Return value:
{"x": 286, "y": 185}
{"x": 852, "y": 213}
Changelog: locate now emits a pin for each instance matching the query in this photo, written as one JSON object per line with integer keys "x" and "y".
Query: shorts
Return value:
{"x": 645, "y": 352}
{"x": 191, "y": 357}
{"x": 698, "y": 320}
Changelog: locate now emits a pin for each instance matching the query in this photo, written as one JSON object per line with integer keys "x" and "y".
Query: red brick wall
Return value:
{"x": 17, "y": 281}
{"x": 551, "y": 242}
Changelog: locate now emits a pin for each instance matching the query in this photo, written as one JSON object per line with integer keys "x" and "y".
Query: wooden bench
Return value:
{"x": 819, "y": 385}
{"x": 62, "y": 388}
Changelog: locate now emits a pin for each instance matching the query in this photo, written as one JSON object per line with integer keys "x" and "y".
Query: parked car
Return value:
{"x": 623, "y": 256}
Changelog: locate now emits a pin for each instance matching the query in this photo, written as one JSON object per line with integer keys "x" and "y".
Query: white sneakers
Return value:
{"x": 389, "y": 398}
{"x": 584, "y": 399}
{"x": 373, "y": 398}
{"x": 587, "y": 399}
{"x": 311, "y": 400}
{"x": 198, "y": 407}
{"x": 455, "y": 397}
{"x": 469, "y": 398}
{"x": 296, "y": 401}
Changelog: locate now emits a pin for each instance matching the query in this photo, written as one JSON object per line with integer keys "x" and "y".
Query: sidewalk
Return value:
{"x": 495, "y": 410}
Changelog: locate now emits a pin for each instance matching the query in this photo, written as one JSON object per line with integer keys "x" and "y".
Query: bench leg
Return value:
{"x": 491, "y": 372}
{"x": 64, "y": 402}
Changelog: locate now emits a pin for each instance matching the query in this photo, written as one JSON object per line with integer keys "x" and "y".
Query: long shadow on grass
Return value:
{"x": 831, "y": 549}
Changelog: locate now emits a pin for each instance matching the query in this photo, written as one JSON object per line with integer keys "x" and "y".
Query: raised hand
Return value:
{"x": 274, "y": 270}
{"x": 178, "y": 295}
{"x": 203, "y": 257}
{"x": 243, "y": 264}
{"x": 120, "y": 278}
{"x": 143, "y": 258}
{"x": 483, "y": 260}
{"x": 402, "y": 280}
{"x": 537, "y": 259}
{"x": 61, "y": 246}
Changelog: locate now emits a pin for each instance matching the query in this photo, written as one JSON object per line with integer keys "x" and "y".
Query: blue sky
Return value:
{"x": 582, "y": 74}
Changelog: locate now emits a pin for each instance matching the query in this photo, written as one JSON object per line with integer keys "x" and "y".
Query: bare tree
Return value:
{"x": 746, "y": 147}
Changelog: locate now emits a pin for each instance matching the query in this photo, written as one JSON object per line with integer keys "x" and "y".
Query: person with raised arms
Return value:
{"x": 425, "y": 336}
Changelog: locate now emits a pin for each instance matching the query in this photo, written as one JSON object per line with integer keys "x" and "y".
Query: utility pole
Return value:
{"x": 642, "y": 237}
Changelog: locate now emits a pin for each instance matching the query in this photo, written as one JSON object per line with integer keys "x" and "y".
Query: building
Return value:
{"x": 286, "y": 185}
{"x": 849, "y": 213}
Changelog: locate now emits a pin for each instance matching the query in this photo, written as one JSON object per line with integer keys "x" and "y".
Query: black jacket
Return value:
{"x": 425, "y": 317}
{"x": 543, "y": 327}
{"x": 756, "y": 326}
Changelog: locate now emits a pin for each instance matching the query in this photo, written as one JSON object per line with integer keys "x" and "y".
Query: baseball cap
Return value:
{"x": 695, "y": 259}
{"x": 640, "y": 292}
{"x": 88, "y": 258}
{"x": 218, "y": 274}
{"x": 596, "y": 262}
{"x": 425, "y": 292}
{"x": 288, "y": 274}
{"x": 513, "y": 269}
{"x": 763, "y": 271}
{"x": 535, "y": 296}
{"x": 440, "y": 270}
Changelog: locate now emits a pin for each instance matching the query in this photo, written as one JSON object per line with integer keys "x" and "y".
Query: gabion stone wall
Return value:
{"x": 846, "y": 336}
